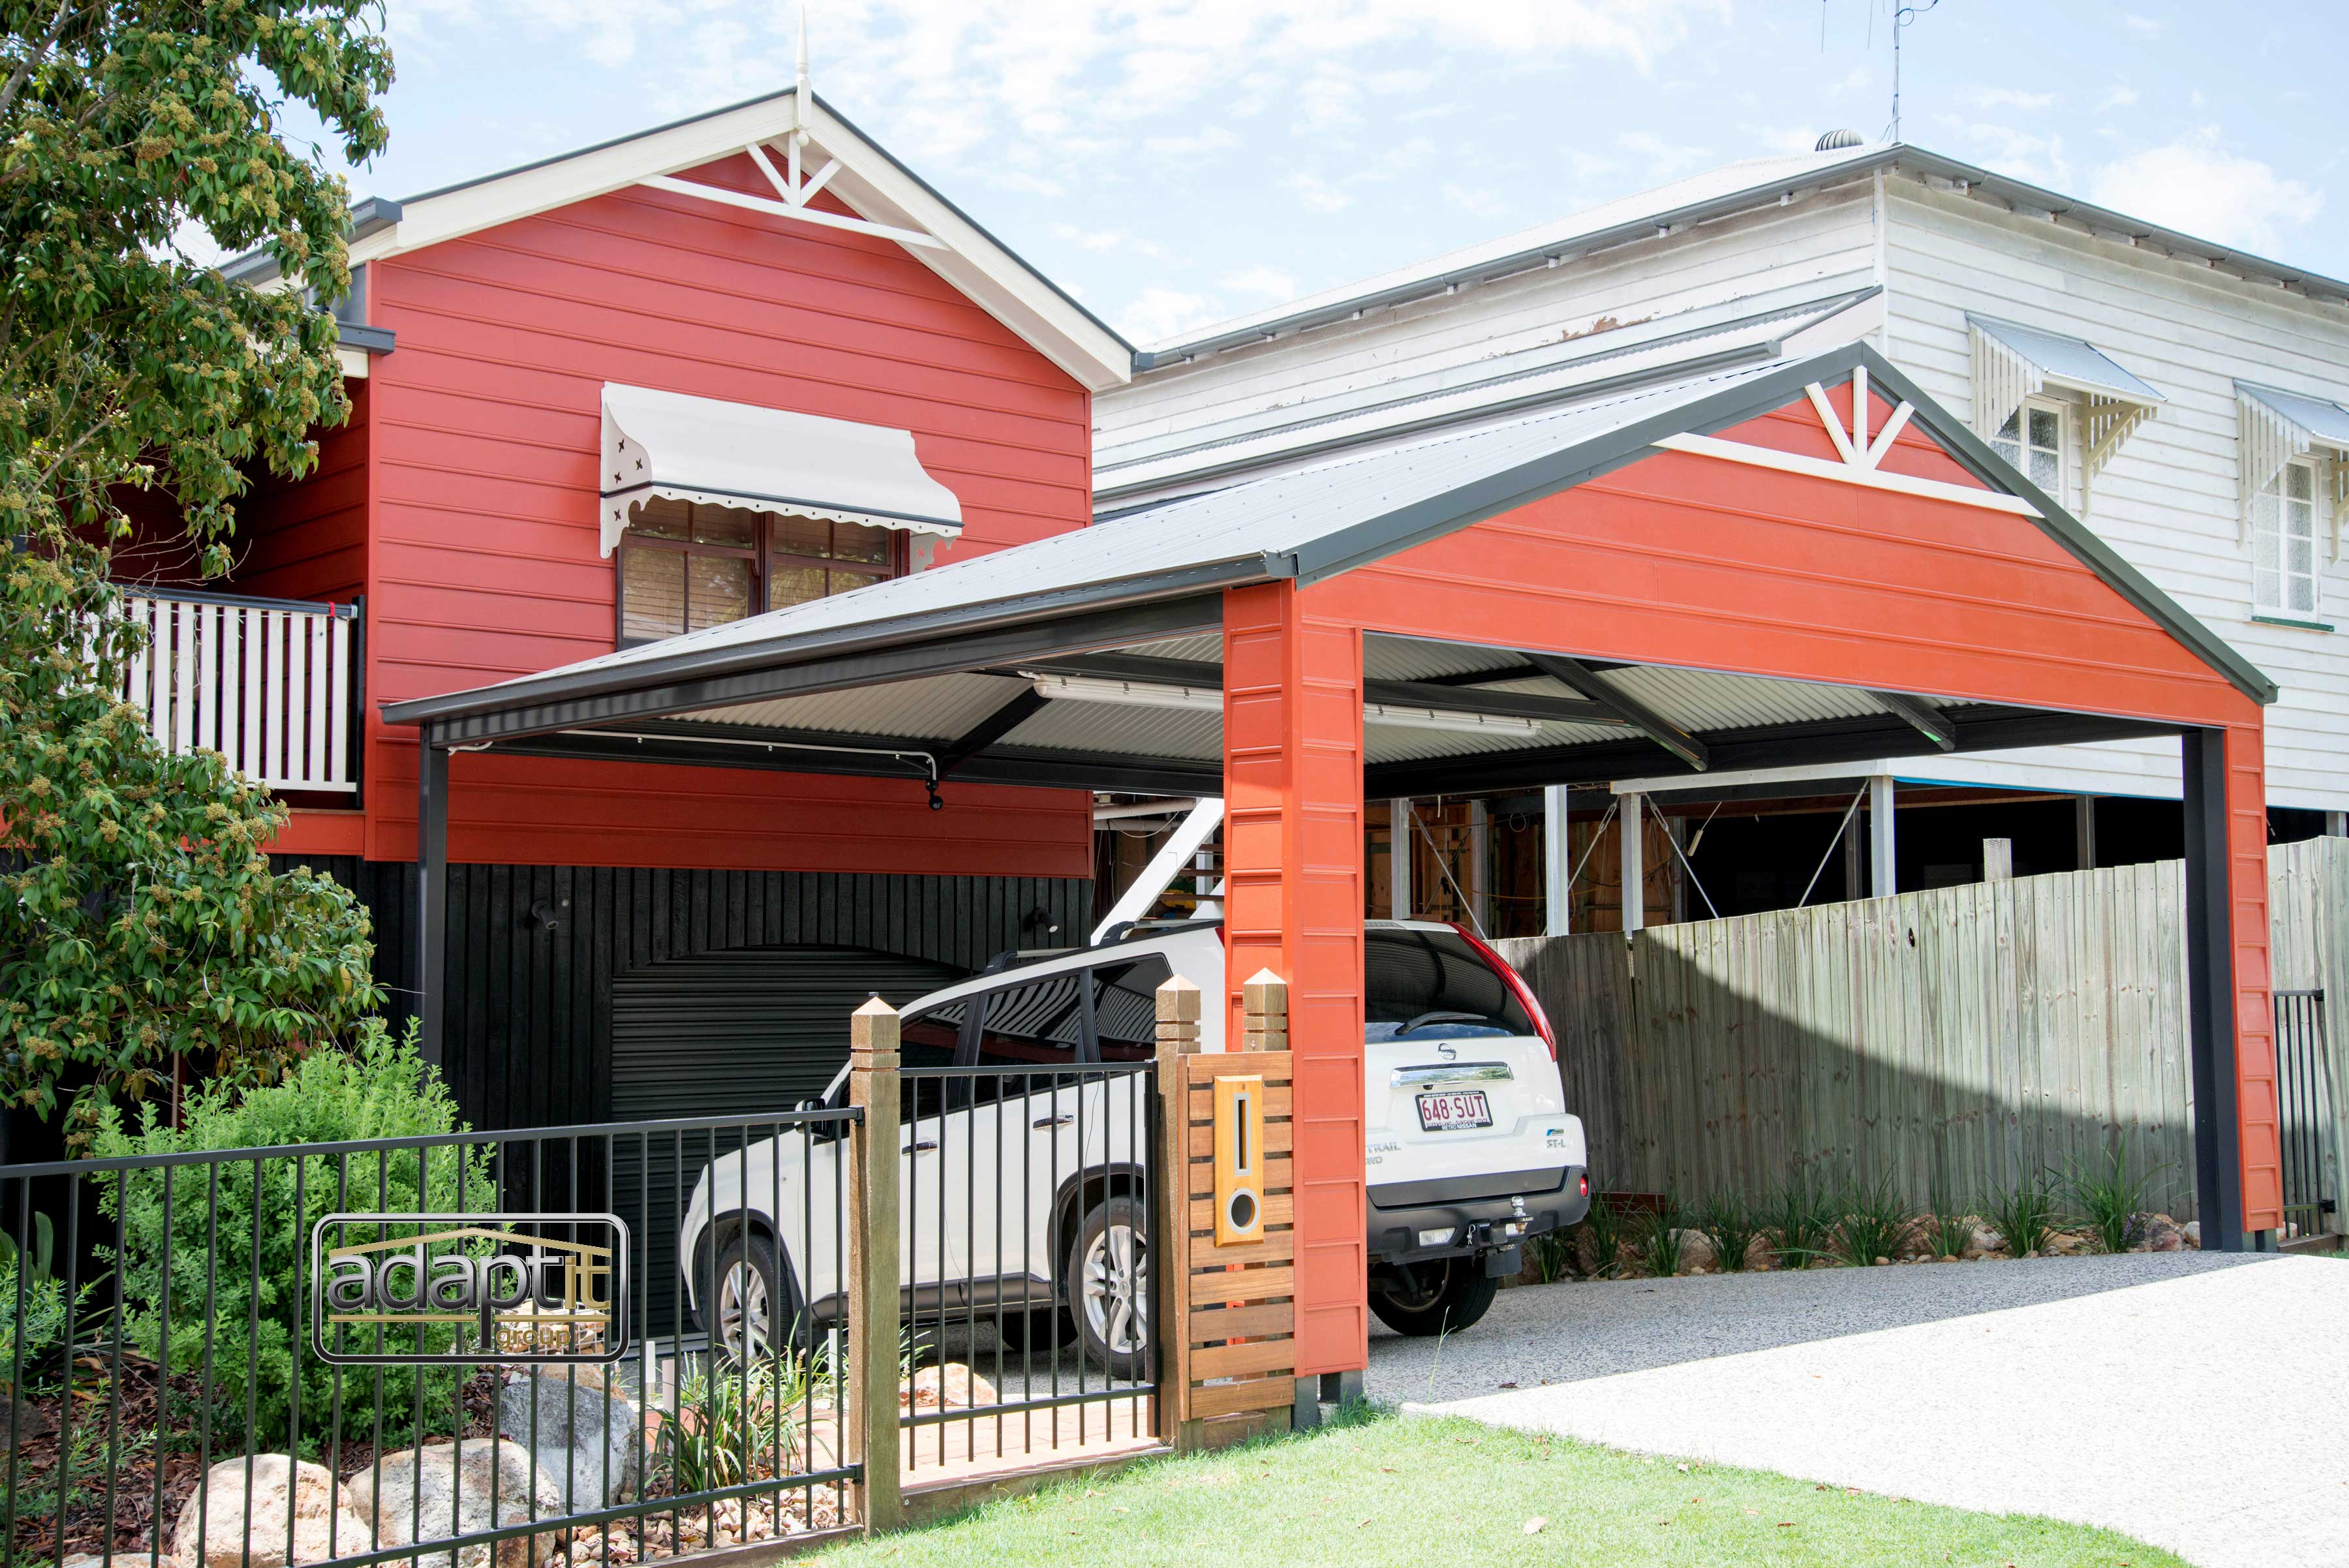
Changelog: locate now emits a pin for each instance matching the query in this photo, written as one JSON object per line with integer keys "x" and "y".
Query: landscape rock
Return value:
{"x": 451, "y": 1494}
{"x": 951, "y": 1387}
{"x": 2191, "y": 1234}
{"x": 574, "y": 1435}
{"x": 27, "y": 1421}
{"x": 1983, "y": 1242}
{"x": 234, "y": 1534}
{"x": 2158, "y": 1233}
{"x": 1697, "y": 1255}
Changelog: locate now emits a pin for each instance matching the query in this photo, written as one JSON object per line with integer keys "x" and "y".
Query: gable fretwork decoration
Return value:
{"x": 2012, "y": 364}
{"x": 1859, "y": 451}
{"x": 795, "y": 188}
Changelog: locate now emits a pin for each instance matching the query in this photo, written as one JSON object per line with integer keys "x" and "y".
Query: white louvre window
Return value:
{"x": 2032, "y": 441}
{"x": 2284, "y": 544}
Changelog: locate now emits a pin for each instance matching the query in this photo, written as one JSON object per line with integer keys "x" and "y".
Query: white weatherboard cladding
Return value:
{"x": 1810, "y": 249}
{"x": 763, "y": 460}
{"x": 2168, "y": 500}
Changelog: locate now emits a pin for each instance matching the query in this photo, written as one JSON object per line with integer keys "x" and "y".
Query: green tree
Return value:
{"x": 139, "y": 923}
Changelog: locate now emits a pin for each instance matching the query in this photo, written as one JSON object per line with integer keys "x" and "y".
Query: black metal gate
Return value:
{"x": 2305, "y": 1107}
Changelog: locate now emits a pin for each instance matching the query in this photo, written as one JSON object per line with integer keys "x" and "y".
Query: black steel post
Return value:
{"x": 2210, "y": 993}
{"x": 432, "y": 891}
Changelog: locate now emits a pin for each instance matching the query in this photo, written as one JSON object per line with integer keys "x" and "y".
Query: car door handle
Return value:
{"x": 1040, "y": 1123}
{"x": 925, "y": 1147}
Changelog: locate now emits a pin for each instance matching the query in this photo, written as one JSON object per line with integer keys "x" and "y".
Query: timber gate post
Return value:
{"x": 1228, "y": 1272}
{"x": 873, "y": 1284}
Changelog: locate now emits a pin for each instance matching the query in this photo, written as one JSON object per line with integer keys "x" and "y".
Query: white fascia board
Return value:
{"x": 971, "y": 261}
{"x": 868, "y": 182}
{"x": 354, "y": 362}
{"x": 503, "y": 199}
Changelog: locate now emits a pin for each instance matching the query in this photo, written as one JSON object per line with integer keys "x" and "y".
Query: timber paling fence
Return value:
{"x": 1955, "y": 1039}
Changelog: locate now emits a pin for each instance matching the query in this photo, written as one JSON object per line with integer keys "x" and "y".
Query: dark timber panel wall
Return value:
{"x": 530, "y": 1005}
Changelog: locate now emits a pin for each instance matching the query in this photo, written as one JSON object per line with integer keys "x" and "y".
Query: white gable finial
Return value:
{"x": 801, "y": 93}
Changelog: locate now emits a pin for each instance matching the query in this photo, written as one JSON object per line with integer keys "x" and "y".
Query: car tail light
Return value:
{"x": 1517, "y": 985}
{"x": 1586, "y": 1187}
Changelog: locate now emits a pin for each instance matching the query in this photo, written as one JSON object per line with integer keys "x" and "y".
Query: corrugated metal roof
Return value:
{"x": 938, "y": 708}
{"x": 2327, "y": 422}
{"x": 1699, "y": 699}
{"x": 1754, "y": 175}
{"x": 2069, "y": 359}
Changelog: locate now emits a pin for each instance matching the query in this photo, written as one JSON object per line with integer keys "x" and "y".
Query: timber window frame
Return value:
{"x": 2046, "y": 463}
{"x": 2287, "y": 570}
{"x": 785, "y": 558}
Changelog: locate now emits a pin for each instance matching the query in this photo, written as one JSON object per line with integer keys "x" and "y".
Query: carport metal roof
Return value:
{"x": 1088, "y": 659}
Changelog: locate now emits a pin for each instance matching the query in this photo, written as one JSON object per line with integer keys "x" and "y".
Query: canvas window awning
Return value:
{"x": 763, "y": 460}
{"x": 2011, "y": 363}
{"x": 2276, "y": 427}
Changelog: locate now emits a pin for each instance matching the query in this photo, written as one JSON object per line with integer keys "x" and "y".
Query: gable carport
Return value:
{"x": 1802, "y": 563}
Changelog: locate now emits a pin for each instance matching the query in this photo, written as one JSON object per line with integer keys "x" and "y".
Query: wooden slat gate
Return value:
{"x": 1232, "y": 1307}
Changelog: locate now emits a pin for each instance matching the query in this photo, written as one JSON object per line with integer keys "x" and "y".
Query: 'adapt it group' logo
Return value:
{"x": 525, "y": 1289}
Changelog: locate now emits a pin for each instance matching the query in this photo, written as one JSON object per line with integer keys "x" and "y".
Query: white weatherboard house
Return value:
{"x": 2186, "y": 401}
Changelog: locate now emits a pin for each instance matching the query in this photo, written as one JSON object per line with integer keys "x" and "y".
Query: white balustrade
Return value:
{"x": 267, "y": 683}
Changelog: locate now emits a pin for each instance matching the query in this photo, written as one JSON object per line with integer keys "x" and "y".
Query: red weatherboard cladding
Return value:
{"x": 485, "y": 426}
{"x": 1693, "y": 561}
{"x": 308, "y": 540}
{"x": 1293, "y": 870}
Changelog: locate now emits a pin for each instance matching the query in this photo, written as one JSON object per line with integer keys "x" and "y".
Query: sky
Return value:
{"x": 1173, "y": 162}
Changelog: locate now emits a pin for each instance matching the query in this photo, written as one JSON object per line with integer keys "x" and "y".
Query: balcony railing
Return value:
{"x": 269, "y": 684}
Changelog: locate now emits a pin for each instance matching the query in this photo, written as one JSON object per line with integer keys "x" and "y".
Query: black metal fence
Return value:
{"x": 1025, "y": 1253}
{"x": 195, "y": 1367}
{"x": 2306, "y": 1112}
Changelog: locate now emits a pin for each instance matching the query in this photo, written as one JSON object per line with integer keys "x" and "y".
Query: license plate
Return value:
{"x": 1454, "y": 1109}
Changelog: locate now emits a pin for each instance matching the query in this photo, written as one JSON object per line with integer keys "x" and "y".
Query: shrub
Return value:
{"x": 2108, "y": 1201}
{"x": 2024, "y": 1216}
{"x": 42, "y": 1316}
{"x": 1602, "y": 1231}
{"x": 1655, "y": 1239}
{"x": 1873, "y": 1221}
{"x": 1551, "y": 1253}
{"x": 1948, "y": 1233}
{"x": 1730, "y": 1224}
{"x": 1800, "y": 1220}
{"x": 236, "y": 1242}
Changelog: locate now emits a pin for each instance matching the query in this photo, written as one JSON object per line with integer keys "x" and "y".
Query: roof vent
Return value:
{"x": 1835, "y": 141}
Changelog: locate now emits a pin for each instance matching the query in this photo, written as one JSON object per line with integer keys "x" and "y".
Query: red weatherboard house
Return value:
{"x": 526, "y": 481}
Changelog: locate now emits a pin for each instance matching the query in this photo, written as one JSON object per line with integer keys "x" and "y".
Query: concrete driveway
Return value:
{"x": 2197, "y": 1402}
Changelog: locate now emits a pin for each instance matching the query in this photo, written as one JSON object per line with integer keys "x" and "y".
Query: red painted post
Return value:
{"x": 2257, "y": 1106}
{"x": 1293, "y": 868}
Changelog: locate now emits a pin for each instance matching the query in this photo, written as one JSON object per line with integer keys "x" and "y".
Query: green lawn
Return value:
{"x": 1378, "y": 1490}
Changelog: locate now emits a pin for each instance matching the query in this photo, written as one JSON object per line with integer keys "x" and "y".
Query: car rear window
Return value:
{"x": 1409, "y": 975}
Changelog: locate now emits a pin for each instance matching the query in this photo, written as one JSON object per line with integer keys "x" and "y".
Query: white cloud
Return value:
{"x": 955, "y": 73}
{"x": 2007, "y": 97}
{"x": 2117, "y": 98}
{"x": 1269, "y": 281}
{"x": 1106, "y": 240}
{"x": 1663, "y": 157}
{"x": 1782, "y": 137}
{"x": 1158, "y": 314}
{"x": 2195, "y": 185}
{"x": 1318, "y": 194}
{"x": 2146, "y": 25}
{"x": 1200, "y": 143}
{"x": 1482, "y": 203}
{"x": 1859, "y": 78}
{"x": 2024, "y": 154}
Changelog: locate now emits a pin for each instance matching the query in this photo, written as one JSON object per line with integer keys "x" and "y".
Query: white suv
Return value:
{"x": 1020, "y": 1187}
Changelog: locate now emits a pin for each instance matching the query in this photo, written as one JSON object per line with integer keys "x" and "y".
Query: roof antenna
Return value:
{"x": 1902, "y": 17}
